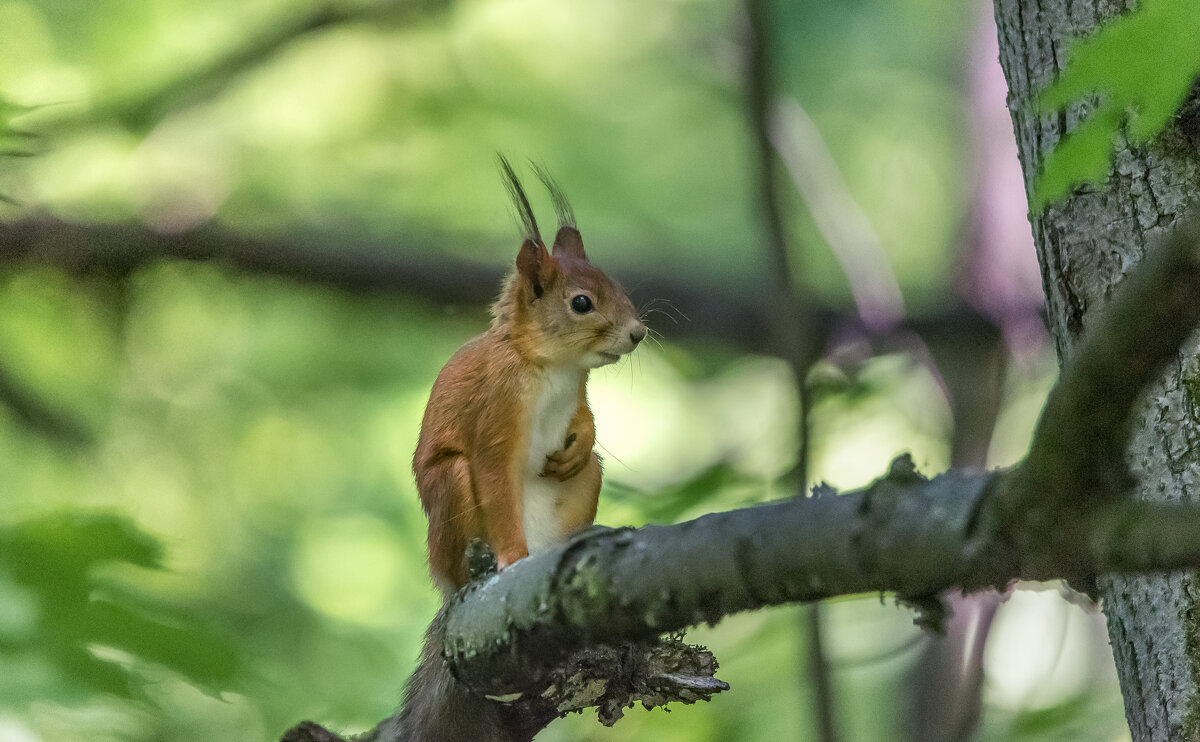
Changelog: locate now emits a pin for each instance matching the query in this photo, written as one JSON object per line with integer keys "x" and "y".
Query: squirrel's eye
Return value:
{"x": 581, "y": 304}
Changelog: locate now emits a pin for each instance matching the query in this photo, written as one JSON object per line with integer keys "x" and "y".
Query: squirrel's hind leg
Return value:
{"x": 447, "y": 494}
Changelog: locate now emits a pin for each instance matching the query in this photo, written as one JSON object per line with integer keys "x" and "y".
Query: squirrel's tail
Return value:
{"x": 439, "y": 708}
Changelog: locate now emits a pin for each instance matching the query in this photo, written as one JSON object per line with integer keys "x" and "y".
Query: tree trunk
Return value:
{"x": 1086, "y": 244}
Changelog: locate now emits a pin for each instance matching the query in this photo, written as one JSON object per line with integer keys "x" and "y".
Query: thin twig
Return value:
{"x": 143, "y": 107}
{"x": 840, "y": 219}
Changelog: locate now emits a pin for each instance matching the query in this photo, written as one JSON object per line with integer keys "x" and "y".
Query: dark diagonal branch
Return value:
{"x": 145, "y": 107}
{"x": 1122, "y": 354}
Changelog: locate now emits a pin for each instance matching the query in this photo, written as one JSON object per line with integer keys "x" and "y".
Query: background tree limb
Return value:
{"x": 737, "y": 318}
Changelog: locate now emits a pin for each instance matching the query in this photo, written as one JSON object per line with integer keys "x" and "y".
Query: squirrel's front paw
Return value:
{"x": 567, "y": 461}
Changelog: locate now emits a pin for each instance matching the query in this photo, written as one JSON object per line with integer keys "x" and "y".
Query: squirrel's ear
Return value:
{"x": 569, "y": 242}
{"x": 533, "y": 265}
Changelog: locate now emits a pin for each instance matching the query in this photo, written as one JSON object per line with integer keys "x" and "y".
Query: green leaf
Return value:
{"x": 1141, "y": 66}
{"x": 205, "y": 659}
{"x": 1080, "y": 157}
{"x": 70, "y": 620}
{"x": 71, "y": 543}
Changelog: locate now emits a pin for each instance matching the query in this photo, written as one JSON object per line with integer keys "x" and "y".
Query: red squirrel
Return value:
{"x": 505, "y": 450}
{"x": 505, "y": 454}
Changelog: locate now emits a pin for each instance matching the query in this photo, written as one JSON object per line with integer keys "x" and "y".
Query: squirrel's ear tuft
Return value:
{"x": 569, "y": 242}
{"x": 524, "y": 212}
{"x": 534, "y": 266}
{"x": 562, "y": 207}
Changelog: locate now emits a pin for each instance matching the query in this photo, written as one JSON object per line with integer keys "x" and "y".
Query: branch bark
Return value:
{"x": 1062, "y": 512}
{"x": 1085, "y": 244}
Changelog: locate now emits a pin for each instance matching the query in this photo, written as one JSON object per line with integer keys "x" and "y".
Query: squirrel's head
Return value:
{"x": 561, "y": 309}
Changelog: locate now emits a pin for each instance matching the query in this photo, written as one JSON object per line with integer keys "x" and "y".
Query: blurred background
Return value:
{"x": 238, "y": 239}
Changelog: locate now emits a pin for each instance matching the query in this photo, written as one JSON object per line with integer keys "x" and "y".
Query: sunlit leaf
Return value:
{"x": 1081, "y": 157}
{"x": 1141, "y": 66}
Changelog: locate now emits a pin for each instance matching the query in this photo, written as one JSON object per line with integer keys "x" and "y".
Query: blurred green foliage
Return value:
{"x": 13, "y": 141}
{"x": 232, "y": 542}
{"x": 67, "y": 635}
{"x": 1138, "y": 69}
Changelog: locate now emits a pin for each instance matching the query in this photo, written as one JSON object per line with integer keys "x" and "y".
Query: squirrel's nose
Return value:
{"x": 637, "y": 335}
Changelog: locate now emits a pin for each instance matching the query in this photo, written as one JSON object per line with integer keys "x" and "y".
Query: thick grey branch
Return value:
{"x": 904, "y": 534}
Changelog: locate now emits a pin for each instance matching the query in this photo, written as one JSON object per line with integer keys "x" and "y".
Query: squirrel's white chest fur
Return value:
{"x": 555, "y": 400}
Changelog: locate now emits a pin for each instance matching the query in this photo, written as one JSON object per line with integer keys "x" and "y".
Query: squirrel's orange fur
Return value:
{"x": 505, "y": 450}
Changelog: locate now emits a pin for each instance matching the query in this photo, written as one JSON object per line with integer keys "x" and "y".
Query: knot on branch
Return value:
{"x": 615, "y": 677}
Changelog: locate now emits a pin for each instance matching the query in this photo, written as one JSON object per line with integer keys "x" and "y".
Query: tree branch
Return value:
{"x": 738, "y": 319}
{"x": 904, "y": 534}
{"x": 1076, "y": 461}
{"x": 801, "y": 337}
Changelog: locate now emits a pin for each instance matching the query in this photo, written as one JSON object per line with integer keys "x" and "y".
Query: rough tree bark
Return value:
{"x": 1085, "y": 244}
